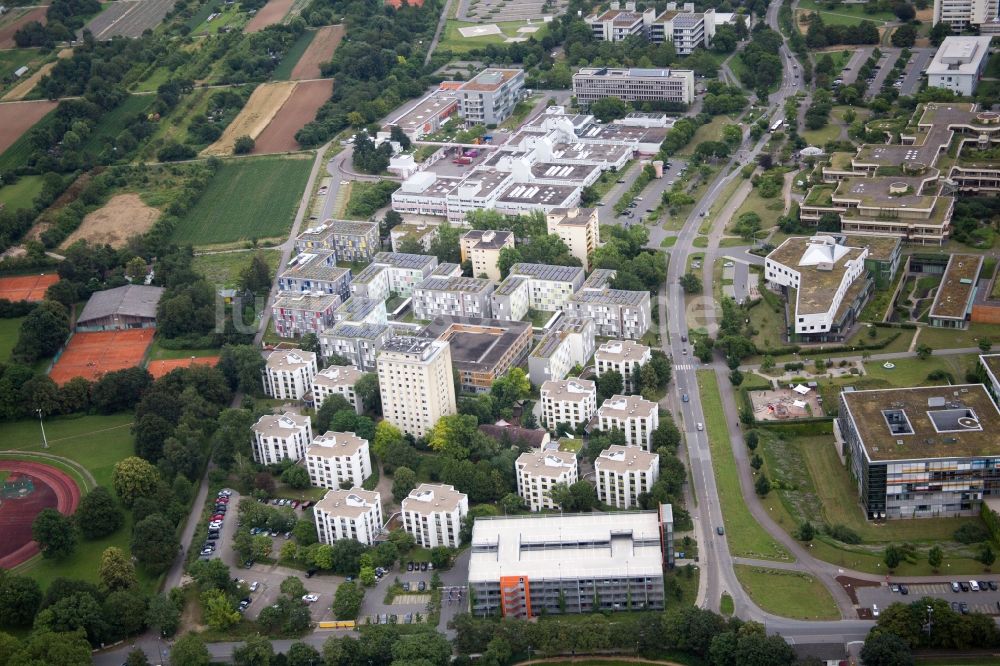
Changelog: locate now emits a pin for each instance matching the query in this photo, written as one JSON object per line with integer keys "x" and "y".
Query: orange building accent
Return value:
{"x": 515, "y": 596}
{"x": 986, "y": 313}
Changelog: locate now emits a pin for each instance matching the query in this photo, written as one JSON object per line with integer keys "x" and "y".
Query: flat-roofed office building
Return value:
{"x": 525, "y": 566}
{"x": 634, "y": 84}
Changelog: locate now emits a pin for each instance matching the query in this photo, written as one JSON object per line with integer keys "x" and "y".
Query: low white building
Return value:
{"x": 626, "y": 357}
{"x": 279, "y": 437}
{"x": 433, "y": 514}
{"x": 570, "y": 401}
{"x": 959, "y": 64}
{"x": 539, "y": 471}
{"x": 336, "y": 458}
{"x": 348, "y": 514}
{"x": 636, "y": 417}
{"x": 289, "y": 373}
{"x": 623, "y": 473}
{"x": 337, "y": 380}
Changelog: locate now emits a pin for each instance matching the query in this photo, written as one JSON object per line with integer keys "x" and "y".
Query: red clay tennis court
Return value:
{"x": 26, "y": 287}
{"x": 90, "y": 355}
{"x": 160, "y": 368}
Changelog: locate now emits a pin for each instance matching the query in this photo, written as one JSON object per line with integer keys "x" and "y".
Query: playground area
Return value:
{"x": 26, "y": 287}
{"x": 786, "y": 404}
{"x": 25, "y": 489}
{"x": 166, "y": 366}
{"x": 90, "y": 355}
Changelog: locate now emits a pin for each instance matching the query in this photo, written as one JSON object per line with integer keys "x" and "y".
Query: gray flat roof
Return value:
{"x": 456, "y": 284}
{"x": 131, "y": 300}
{"x": 403, "y": 260}
{"x": 346, "y": 329}
{"x": 547, "y": 272}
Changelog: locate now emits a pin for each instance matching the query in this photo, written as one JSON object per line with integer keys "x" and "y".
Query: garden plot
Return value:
{"x": 263, "y": 105}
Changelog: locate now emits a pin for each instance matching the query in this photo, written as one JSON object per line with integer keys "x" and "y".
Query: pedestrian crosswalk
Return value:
{"x": 684, "y": 366}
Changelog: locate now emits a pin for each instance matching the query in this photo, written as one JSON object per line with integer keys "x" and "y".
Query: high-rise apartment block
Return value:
{"x": 623, "y": 473}
{"x": 482, "y": 249}
{"x": 626, "y": 357}
{"x": 539, "y": 471}
{"x": 416, "y": 383}
{"x": 433, "y": 514}
{"x": 636, "y": 417}
{"x": 337, "y": 380}
{"x": 336, "y": 458}
{"x": 348, "y": 514}
{"x": 572, "y": 401}
{"x": 578, "y": 228}
{"x": 278, "y": 438}
{"x": 288, "y": 374}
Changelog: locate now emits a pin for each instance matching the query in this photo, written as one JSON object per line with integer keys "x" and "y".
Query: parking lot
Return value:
{"x": 977, "y": 602}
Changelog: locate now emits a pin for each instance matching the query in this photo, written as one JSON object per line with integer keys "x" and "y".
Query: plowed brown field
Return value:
{"x": 269, "y": 14}
{"x": 320, "y": 50}
{"x": 298, "y": 109}
{"x": 264, "y": 104}
{"x": 8, "y": 30}
{"x": 16, "y": 118}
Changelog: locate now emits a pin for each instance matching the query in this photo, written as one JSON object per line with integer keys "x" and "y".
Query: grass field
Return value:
{"x": 707, "y": 132}
{"x": 845, "y": 14}
{"x": 158, "y": 353}
{"x": 97, "y": 443}
{"x": 283, "y": 71}
{"x": 950, "y": 338}
{"x": 19, "y": 151}
{"x": 113, "y": 122}
{"x": 913, "y": 371}
{"x": 453, "y": 41}
{"x": 745, "y": 536}
{"x": 9, "y": 329}
{"x": 229, "y": 16}
{"x": 788, "y": 593}
{"x": 224, "y": 268}
{"x": 821, "y": 136}
{"x": 247, "y": 198}
{"x": 21, "y": 193}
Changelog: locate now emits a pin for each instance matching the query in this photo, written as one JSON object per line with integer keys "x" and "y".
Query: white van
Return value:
{"x": 974, "y": 585}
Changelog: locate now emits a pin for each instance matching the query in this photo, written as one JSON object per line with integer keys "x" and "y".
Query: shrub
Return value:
{"x": 971, "y": 533}
{"x": 843, "y": 534}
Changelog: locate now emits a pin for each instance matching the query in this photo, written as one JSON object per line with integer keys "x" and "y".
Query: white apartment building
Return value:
{"x": 959, "y": 64}
{"x": 822, "y": 275}
{"x": 625, "y": 357}
{"x": 539, "y": 471}
{"x": 489, "y": 97}
{"x": 568, "y": 343}
{"x": 578, "y": 228}
{"x": 636, "y": 417}
{"x": 415, "y": 380}
{"x": 289, "y": 373}
{"x": 634, "y": 84}
{"x": 482, "y": 249}
{"x": 358, "y": 343}
{"x": 392, "y": 272}
{"x": 571, "y": 401}
{"x": 279, "y": 437}
{"x": 337, "y": 380}
{"x": 964, "y": 14}
{"x": 348, "y": 514}
{"x": 623, "y": 473}
{"x": 433, "y": 514}
{"x": 336, "y": 458}
{"x": 452, "y": 297}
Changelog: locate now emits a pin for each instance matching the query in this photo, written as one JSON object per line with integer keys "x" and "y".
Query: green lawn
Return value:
{"x": 9, "y": 330}
{"x": 224, "y": 268}
{"x": 845, "y": 14}
{"x": 452, "y": 40}
{"x": 97, "y": 443}
{"x": 13, "y": 59}
{"x": 113, "y": 122}
{"x": 726, "y": 606}
{"x": 228, "y": 16}
{"x": 745, "y": 536}
{"x": 283, "y": 71}
{"x": 950, "y": 338}
{"x": 788, "y": 593}
{"x": 913, "y": 372}
{"x": 821, "y": 136}
{"x": 246, "y": 198}
{"x": 158, "y": 353}
{"x": 769, "y": 210}
{"x": 707, "y": 132}
{"x": 22, "y": 193}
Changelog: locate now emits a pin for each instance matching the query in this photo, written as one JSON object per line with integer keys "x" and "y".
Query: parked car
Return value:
{"x": 423, "y": 566}
{"x": 894, "y": 587}
{"x": 955, "y": 587}
{"x": 253, "y": 586}
{"x": 964, "y": 586}
{"x": 212, "y": 536}
{"x": 310, "y": 598}
{"x": 421, "y": 586}
{"x": 207, "y": 551}
{"x": 974, "y": 586}
{"x": 383, "y": 618}
{"x": 964, "y": 607}
{"x": 993, "y": 585}
{"x": 983, "y": 585}
{"x": 904, "y": 590}
{"x": 874, "y": 610}
{"x": 958, "y": 609}
{"x": 406, "y": 587}
{"x": 310, "y": 573}
{"x": 409, "y": 566}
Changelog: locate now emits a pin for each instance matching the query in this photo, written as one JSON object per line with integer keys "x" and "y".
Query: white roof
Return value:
{"x": 960, "y": 55}
{"x": 822, "y": 250}
{"x": 551, "y": 546}
{"x": 798, "y": 403}
{"x": 801, "y": 390}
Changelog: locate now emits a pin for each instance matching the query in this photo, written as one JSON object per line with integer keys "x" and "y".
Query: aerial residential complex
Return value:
{"x": 634, "y": 85}
{"x": 539, "y": 471}
{"x": 685, "y": 28}
{"x": 923, "y": 451}
{"x": 349, "y": 240}
{"x": 315, "y": 271}
{"x": 616, "y": 313}
{"x": 297, "y": 313}
{"x": 415, "y": 381}
{"x": 535, "y": 286}
{"x": 433, "y": 514}
{"x": 623, "y": 473}
{"x": 481, "y": 350}
{"x": 358, "y": 343}
{"x": 348, "y": 514}
{"x": 525, "y": 566}
{"x": 336, "y": 458}
{"x": 288, "y": 374}
{"x": 569, "y": 401}
{"x": 281, "y": 437}
{"x": 578, "y": 228}
{"x": 625, "y": 357}
{"x": 452, "y": 297}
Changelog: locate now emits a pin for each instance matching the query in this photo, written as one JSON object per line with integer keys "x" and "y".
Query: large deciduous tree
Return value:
{"x": 134, "y": 478}
{"x": 55, "y": 534}
{"x": 98, "y": 514}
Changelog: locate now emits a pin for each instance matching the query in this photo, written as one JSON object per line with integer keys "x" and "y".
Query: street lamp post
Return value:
{"x": 45, "y": 441}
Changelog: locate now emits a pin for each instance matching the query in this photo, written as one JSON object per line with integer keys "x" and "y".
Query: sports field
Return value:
{"x": 164, "y": 367}
{"x": 39, "y": 487}
{"x": 90, "y": 355}
{"x": 247, "y": 198}
{"x": 26, "y": 287}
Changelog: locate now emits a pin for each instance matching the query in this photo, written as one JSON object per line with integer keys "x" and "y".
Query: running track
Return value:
{"x": 67, "y": 498}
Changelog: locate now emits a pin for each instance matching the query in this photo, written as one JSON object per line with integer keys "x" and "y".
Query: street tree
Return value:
{"x": 986, "y": 556}
{"x": 883, "y": 648}
{"x": 217, "y": 610}
{"x": 256, "y": 651}
{"x": 189, "y": 650}
{"x": 935, "y": 556}
{"x": 347, "y": 601}
{"x": 162, "y": 615}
